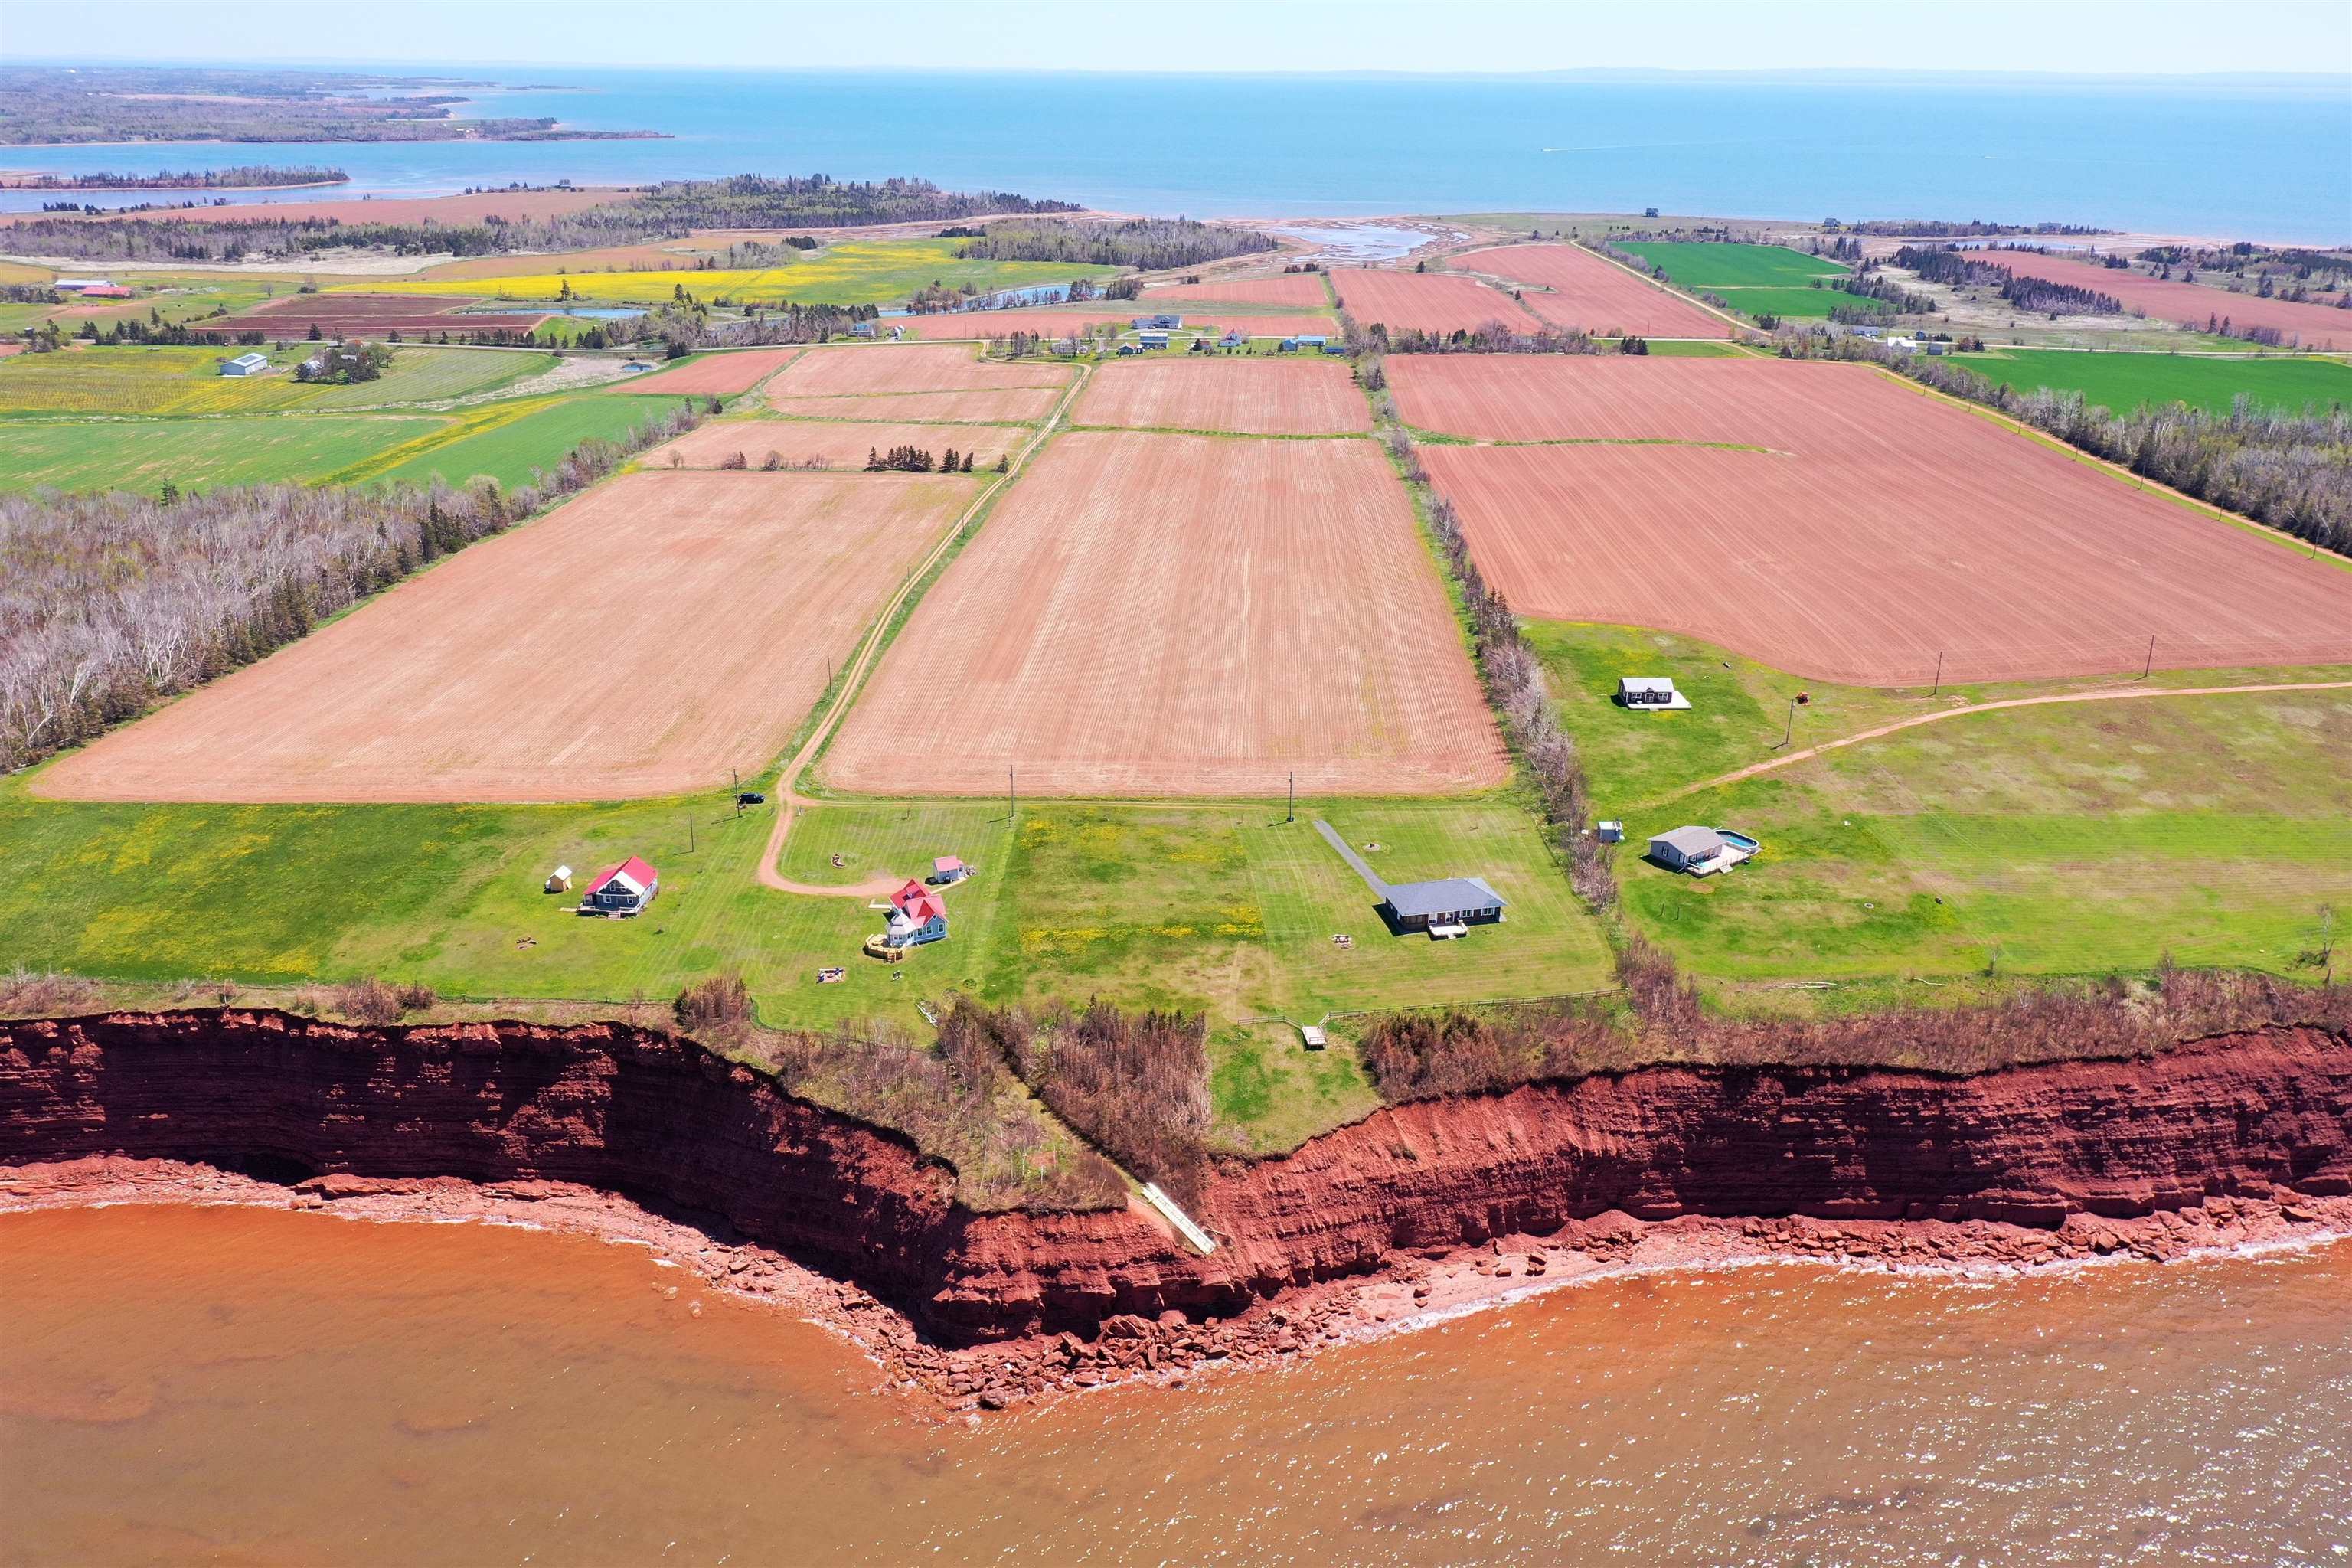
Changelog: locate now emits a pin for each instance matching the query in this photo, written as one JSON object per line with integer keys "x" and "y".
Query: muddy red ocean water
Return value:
{"x": 253, "y": 1386}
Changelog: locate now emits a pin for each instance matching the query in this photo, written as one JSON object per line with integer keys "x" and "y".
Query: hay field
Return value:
{"x": 1721, "y": 264}
{"x": 642, "y": 639}
{"x": 1283, "y": 291}
{"x": 830, "y": 444}
{"x": 143, "y": 454}
{"x": 1253, "y": 396}
{"x": 1858, "y": 530}
{"x": 715, "y": 375}
{"x": 1571, "y": 286}
{"x": 1148, "y": 614}
{"x": 2123, "y": 382}
{"x": 1432, "y": 301}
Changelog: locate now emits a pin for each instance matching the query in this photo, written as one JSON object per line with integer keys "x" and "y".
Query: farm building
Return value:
{"x": 245, "y": 364}
{"x": 107, "y": 292}
{"x": 948, "y": 869}
{"x": 1701, "y": 851}
{"x": 1154, "y": 339}
{"x": 1163, "y": 321}
{"x": 82, "y": 285}
{"x": 1442, "y": 908}
{"x": 1653, "y": 693}
{"x": 559, "y": 879}
{"x": 917, "y": 915}
{"x": 624, "y": 887}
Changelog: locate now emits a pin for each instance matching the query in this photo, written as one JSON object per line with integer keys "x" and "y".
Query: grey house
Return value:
{"x": 1442, "y": 908}
{"x": 1687, "y": 849}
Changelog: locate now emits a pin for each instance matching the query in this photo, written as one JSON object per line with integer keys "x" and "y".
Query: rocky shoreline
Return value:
{"x": 1414, "y": 1215}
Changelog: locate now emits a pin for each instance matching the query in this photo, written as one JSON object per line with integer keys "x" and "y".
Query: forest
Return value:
{"x": 1152, "y": 244}
{"x": 1948, "y": 265}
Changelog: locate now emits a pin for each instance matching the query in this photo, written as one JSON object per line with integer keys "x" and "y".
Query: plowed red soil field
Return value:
{"x": 1253, "y": 396}
{"x": 2189, "y": 304}
{"x": 1176, "y": 614}
{"x": 1432, "y": 301}
{"x": 1010, "y": 407}
{"x": 367, "y": 315}
{"x": 1865, "y": 529}
{"x": 909, "y": 367}
{"x": 641, "y": 640}
{"x": 1061, "y": 323}
{"x": 829, "y": 444}
{"x": 1294, "y": 291}
{"x": 717, "y": 374}
{"x": 1571, "y": 286}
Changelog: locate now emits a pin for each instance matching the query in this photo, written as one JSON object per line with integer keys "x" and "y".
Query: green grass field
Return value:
{"x": 507, "y": 441}
{"x": 2123, "y": 382}
{"x": 187, "y": 381}
{"x": 142, "y": 454}
{"x": 2060, "y": 840}
{"x": 1801, "y": 303}
{"x": 1695, "y": 348}
{"x": 1709, "y": 264}
{"x": 854, "y": 272}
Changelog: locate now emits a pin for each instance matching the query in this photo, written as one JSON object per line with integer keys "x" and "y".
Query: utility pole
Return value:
{"x": 1293, "y": 798}
{"x": 1790, "y": 733}
{"x": 2151, "y": 657}
{"x": 1938, "y": 688}
{"x": 1012, "y": 795}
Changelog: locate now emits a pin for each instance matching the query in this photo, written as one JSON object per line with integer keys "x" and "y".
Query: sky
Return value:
{"x": 2068, "y": 37}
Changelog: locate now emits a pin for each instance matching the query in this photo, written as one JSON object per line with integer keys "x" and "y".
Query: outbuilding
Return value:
{"x": 624, "y": 887}
{"x": 1153, "y": 340}
{"x": 1694, "y": 849}
{"x": 559, "y": 879}
{"x": 1650, "y": 693}
{"x": 947, "y": 871}
{"x": 245, "y": 364}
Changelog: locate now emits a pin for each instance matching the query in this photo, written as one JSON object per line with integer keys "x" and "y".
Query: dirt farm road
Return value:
{"x": 1811, "y": 752}
{"x": 790, "y": 802}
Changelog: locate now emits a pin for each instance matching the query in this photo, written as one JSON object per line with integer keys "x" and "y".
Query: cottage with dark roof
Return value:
{"x": 1442, "y": 908}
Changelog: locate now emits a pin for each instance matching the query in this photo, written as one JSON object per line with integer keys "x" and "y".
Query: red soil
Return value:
{"x": 1875, "y": 529}
{"x": 457, "y": 209}
{"x": 2189, "y": 304}
{"x": 1176, "y": 614}
{"x": 850, "y": 370}
{"x": 720, "y": 374}
{"x": 827, "y": 444}
{"x": 1253, "y": 396}
{"x": 2243, "y": 1137}
{"x": 642, "y": 639}
{"x": 1432, "y": 301}
{"x": 1571, "y": 286}
{"x": 1011, "y": 407}
{"x": 1055, "y": 323}
{"x": 368, "y": 315}
{"x": 1293, "y": 290}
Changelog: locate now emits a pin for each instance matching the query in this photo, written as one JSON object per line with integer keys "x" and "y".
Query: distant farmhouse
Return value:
{"x": 1164, "y": 321}
{"x": 1650, "y": 693}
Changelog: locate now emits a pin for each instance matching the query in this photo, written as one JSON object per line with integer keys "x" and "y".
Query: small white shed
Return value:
{"x": 559, "y": 880}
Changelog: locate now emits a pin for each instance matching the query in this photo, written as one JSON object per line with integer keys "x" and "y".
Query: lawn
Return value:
{"x": 1220, "y": 907}
{"x": 1711, "y": 265}
{"x": 187, "y": 381}
{"x": 2059, "y": 839}
{"x": 507, "y": 440}
{"x": 854, "y": 272}
{"x": 142, "y": 454}
{"x": 2123, "y": 382}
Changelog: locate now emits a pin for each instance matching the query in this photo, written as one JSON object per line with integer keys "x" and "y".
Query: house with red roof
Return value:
{"x": 624, "y": 887}
{"x": 917, "y": 915}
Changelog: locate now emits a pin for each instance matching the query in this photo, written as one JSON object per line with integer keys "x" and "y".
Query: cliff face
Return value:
{"x": 2265, "y": 1114}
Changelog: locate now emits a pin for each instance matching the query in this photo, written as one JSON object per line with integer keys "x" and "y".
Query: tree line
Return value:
{"x": 670, "y": 210}
{"x": 1952, "y": 266}
{"x": 1492, "y": 338}
{"x": 1152, "y": 244}
{"x": 111, "y": 602}
{"x": 911, "y": 460}
{"x": 237, "y": 176}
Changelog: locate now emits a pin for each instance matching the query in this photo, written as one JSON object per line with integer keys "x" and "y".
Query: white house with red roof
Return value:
{"x": 917, "y": 915}
{"x": 624, "y": 887}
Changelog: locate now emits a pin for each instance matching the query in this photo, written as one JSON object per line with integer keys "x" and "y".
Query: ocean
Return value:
{"x": 2215, "y": 159}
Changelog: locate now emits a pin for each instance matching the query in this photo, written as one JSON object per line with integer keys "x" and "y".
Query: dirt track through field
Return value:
{"x": 1575, "y": 288}
{"x": 1842, "y": 527}
{"x": 825, "y": 444}
{"x": 1431, "y": 301}
{"x": 1149, "y": 615}
{"x": 1774, "y": 764}
{"x": 643, "y": 639}
{"x": 1252, "y": 396}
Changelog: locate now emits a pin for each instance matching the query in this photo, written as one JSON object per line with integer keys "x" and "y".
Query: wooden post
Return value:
{"x": 1938, "y": 688}
{"x": 2151, "y": 665}
{"x": 1294, "y": 799}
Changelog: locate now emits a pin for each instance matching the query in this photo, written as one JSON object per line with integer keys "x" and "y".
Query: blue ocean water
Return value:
{"x": 2272, "y": 162}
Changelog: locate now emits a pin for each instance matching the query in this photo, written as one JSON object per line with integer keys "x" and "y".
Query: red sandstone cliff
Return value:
{"x": 2264, "y": 1115}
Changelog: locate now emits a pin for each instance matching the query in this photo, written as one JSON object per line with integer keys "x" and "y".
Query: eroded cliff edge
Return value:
{"x": 2239, "y": 1136}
